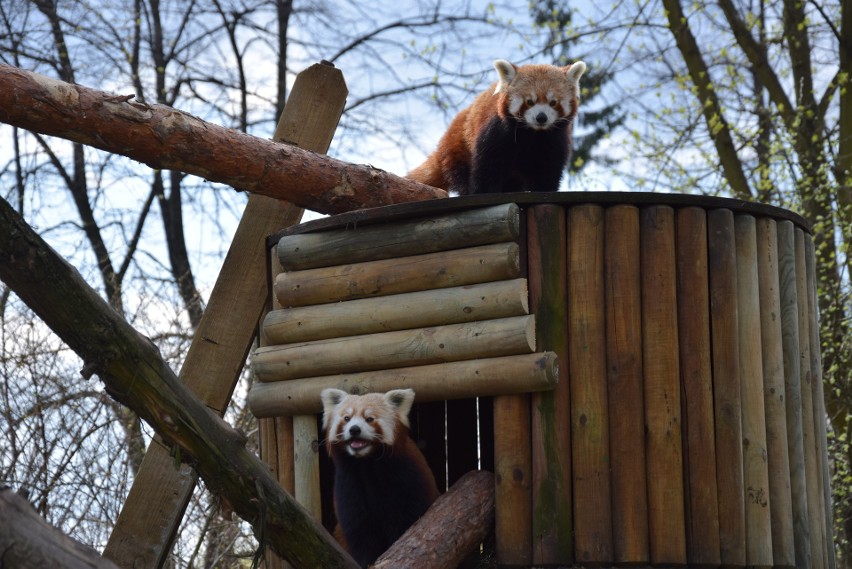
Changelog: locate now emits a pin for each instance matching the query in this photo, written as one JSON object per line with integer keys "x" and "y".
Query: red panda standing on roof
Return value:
{"x": 382, "y": 483}
{"x": 514, "y": 137}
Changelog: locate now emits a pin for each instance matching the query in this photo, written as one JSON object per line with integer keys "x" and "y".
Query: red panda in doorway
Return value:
{"x": 516, "y": 136}
{"x": 382, "y": 483}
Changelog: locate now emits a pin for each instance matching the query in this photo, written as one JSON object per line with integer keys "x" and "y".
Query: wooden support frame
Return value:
{"x": 160, "y": 493}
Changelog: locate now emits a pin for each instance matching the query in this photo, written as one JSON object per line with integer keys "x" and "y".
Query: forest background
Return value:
{"x": 742, "y": 98}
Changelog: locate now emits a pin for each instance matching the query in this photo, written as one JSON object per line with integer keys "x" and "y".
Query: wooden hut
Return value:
{"x": 640, "y": 371}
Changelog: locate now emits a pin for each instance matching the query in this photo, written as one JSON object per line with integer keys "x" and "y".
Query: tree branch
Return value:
{"x": 167, "y": 139}
{"x": 717, "y": 126}
{"x": 134, "y": 374}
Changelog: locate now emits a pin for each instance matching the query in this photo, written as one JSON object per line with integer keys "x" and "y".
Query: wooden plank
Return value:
{"x": 513, "y": 479}
{"x": 456, "y": 380}
{"x": 499, "y": 299}
{"x": 482, "y": 226}
{"x": 662, "y": 387}
{"x": 815, "y": 514}
{"x": 587, "y": 373}
{"x": 724, "y": 328}
{"x": 781, "y": 511}
{"x": 624, "y": 383}
{"x": 755, "y": 472}
{"x": 793, "y": 390}
{"x": 819, "y": 399}
{"x": 154, "y": 508}
{"x": 551, "y": 412}
{"x": 702, "y": 503}
{"x": 402, "y": 348}
{"x": 394, "y": 276}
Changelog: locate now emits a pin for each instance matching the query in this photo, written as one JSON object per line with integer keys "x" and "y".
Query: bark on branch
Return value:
{"x": 134, "y": 373}
{"x": 165, "y": 138}
{"x": 29, "y": 542}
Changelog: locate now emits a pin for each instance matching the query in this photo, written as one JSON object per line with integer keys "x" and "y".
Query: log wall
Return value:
{"x": 651, "y": 366}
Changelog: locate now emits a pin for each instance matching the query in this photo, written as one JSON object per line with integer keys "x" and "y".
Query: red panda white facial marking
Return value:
{"x": 362, "y": 424}
{"x": 531, "y": 98}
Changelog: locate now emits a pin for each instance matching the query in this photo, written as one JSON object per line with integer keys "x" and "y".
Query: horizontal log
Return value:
{"x": 450, "y": 530}
{"x": 402, "y": 348}
{"x": 167, "y": 139}
{"x": 486, "y": 301}
{"x": 438, "y": 382}
{"x": 358, "y": 244}
{"x": 29, "y": 542}
{"x": 473, "y": 265}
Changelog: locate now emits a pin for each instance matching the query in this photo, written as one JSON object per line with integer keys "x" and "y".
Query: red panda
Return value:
{"x": 514, "y": 137}
{"x": 382, "y": 483}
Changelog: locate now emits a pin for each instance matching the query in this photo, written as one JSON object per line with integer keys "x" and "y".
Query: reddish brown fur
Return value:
{"x": 452, "y": 165}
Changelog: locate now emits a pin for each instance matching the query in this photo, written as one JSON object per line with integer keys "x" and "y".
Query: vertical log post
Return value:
{"x": 624, "y": 382}
{"x": 781, "y": 511}
{"x": 662, "y": 387}
{"x": 819, "y": 401}
{"x": 755, "y": 469}
{"x": 702, "y": 505}
{"x": 726, "y": 376}
{"x": 587, "y": 373}
{"x": 551, "y": 413}
{"x": 815, "y": 514}
{"x": 793, "y": 391}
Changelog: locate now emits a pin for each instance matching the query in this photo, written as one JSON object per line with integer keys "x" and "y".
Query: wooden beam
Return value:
{"x": 150, "y": 517}
{"x": 402, "y": 348}
{"x": 135, "y": 374}
{"x": 437, "y": 382}
{"x": 499, "y": 299}
{"x": 168, "y": 139}
{"x": 481, "y": 226}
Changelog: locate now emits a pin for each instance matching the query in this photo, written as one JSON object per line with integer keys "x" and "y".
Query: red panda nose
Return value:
{"x": 541, "y": 118}
{"x": 354, "y": 430}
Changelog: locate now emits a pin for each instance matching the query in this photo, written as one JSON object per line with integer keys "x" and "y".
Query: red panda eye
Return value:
{"x": 346, "y": 418}
{"x": 552, "y": 103}
{"x": 370, "y": 419}
{"x": 530, "y": 102}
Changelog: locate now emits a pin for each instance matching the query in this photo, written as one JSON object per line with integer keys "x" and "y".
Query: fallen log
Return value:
{"x": 450, "y": 530}
{"x": 29, "y": 542}
{"x": 165, "y": 138}
{"x": 134, "y": 374}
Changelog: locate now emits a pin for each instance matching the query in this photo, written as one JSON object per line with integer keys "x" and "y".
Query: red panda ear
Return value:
{"x": 402, "y": 400}
{"x": 505, "y": 72}
{"x": 575, "y": 71}
{"x": 330, "y": 399}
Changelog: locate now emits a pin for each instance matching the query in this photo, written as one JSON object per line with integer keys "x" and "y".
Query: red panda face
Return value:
{"x": 362, "y": 424}
{"x": 540, "y": 96}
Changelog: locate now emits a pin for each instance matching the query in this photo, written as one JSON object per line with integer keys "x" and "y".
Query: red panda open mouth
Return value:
{"x": 358, "y": 444}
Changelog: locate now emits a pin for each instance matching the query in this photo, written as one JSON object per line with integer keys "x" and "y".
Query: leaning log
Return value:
{"x": 165, "y": 138}
{"x": 450, "y": 530}
{"x": 29, "y": 542}
{"x": 135, "y": 374}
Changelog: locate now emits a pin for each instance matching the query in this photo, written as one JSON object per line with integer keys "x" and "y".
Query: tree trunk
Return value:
{"x": 135, "y": 374}
{"x": 167, "y": 139}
